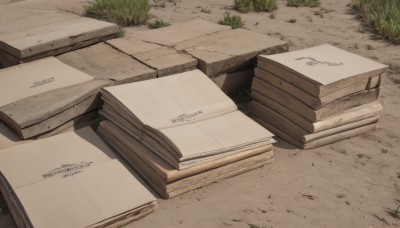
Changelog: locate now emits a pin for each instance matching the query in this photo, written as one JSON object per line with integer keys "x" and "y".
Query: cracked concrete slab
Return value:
{"x": 104, "y": 62}
{"x": 230, "y": 50}
{"x": 175, "y": 33}
{"x": 29, "y": 34}
{"x": 165, "y": 60}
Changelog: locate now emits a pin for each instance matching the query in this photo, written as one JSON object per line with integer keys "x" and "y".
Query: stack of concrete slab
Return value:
{"x": 316, "y": 96}
{"x": 29, "y": 34}
{"x": 47, "y": 96}
{"x": 71, "y": 180}
{"x": 185, "y": 134}
{"x": 225, "y": 55}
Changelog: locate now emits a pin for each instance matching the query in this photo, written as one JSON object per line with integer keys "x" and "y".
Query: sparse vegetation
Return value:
{"x": 265, "y": 5}
{"x": 121, "y": 12}
{"x": 245, "y": 6}
{"x": 272, "y": 16}
{"x": 306, "y": 3}
{"x": 385, "y": 151}
{"x": 382, "y": 15}
{"x": 234, "y": 21}
{"x": 158, "y": 23}
{"x": 292, "y": 20}
{"x": 360, "y": 155}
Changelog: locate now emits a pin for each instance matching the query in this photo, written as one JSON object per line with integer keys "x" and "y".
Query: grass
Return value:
{"x": 158, "y": 23}
{"x": 121, "y": 12}
{"x": 306, "y": 3}
{"x": 385, "y": 151}
{"x": 234, "y": 21}
{"x": 245, "y": 6}
{"x": 382, "y": 15}
{"x": 265, "y": 5}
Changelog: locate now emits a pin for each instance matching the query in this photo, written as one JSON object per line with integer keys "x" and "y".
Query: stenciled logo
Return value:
{"x": 42, "y": 82}
{"x": 312, "y": 61}
{"x": 185, "y": 117}
{"x": 67, "y": 170}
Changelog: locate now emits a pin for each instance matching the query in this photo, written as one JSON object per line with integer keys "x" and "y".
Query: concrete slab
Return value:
{"x": 31, "y": 34}
{"x": 175, "y": 33}
{"x": 165, "y": 60}
{"x": 104, "y": 62}
{"x": 230, "y": 50}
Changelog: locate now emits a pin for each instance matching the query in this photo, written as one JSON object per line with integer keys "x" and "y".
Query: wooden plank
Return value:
{"x": 319, "y": 142}
{"x": 350, "y": 115}
{"x": 104, "y": 62}
{"x": 304, "y": 110}
{"x": 293, "y": 130}
{"x": 46, "y": 105}
{"x": 312, "y": 101}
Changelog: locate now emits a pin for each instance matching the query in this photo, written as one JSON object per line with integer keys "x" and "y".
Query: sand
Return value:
{"x": 352, "y": 183}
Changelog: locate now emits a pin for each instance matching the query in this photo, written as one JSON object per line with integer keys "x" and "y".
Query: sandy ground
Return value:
{"x": 352, "y": 183}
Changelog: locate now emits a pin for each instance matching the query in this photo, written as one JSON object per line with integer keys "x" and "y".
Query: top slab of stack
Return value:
{"x": 29, "y": 34}
{"x": 171, "y": 35}
{"x": 165, "y": 60}
{"x": 230, "y": 50}
{"x": 321, "y": 70}
{"x": 104, "y": 62}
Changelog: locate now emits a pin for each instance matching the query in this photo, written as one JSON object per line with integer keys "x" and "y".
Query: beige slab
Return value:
{"x": 326, "y": 67}
{"x": 230, "y": 50}
{"x": 165, "y": 60}
{"x": 178, "y": 32}
{"x": 71, "y": 186}
{"x": 175, "y": 106}
{"x": 305, "y": 111}
{"x": 319, "y": 142}
{"x": 104, "y": 62}
{"x": 52, "y": 108}
{"x": 232, "y": 82}
{"x": 295, "y": 131}
{"x": 37, "y": 77}
{"x": 43, "y": 37}
{"x": 312, "y": 101}
{"x": 350, "y": 115}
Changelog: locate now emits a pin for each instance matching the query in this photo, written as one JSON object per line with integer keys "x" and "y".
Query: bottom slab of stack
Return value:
{"x": 307, "y": 135}
{"x": 168, "y": 181}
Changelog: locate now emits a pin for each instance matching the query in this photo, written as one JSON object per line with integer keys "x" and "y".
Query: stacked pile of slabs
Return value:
{"x": 29, "y": 34}
{"x": 225, "y": 55}
{"x": 47, "y": 97}
{"x": 71, "y": 180}
{"x": 181, "y": 132}
{"x": 316, "y": 96}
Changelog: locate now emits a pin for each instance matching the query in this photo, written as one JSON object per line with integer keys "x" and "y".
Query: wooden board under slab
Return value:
{"x": 295, "y": 131}
{"x": 304, "y": 110}
{"x": 169, "y": 182}
{"x": 319, "y": 142}
{"x": 312, "y": 101}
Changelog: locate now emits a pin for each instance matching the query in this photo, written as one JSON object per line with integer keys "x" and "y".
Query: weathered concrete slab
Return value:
{"x": 232, "y": 82}
{"x": 165, "y": 60}
{"x": 104, "y": 62}
{"x": 175, "y": 33}
{"x": 230, "y": 50}
{"x": 32, "y": 34}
